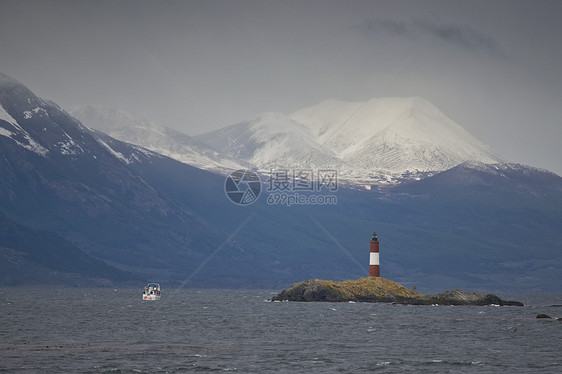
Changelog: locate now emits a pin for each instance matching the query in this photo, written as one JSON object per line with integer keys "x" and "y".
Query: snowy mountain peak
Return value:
{"x": 30, "y": 125}
{"x": 7, "y": 82}
{"x": 267, "y": 126}
{"x": 328, "y": 117}
{"x": 272, "y": 140}
{"x": 160, "y": 139}
{"x": 108, "y": 119}
{"x": 395, "y": 134}
{"x": 19, "y": 111}
{"x": 379, "y": 141}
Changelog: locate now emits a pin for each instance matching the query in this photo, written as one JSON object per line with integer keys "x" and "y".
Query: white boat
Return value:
{"x": 151, "y": 292}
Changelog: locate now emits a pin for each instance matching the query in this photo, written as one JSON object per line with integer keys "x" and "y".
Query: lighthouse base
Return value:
{"x": 374, "y": 271}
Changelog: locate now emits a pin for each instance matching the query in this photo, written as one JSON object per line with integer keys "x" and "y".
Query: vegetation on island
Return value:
{"x": 368, "y": 289}
{"x": 371, "y": 289}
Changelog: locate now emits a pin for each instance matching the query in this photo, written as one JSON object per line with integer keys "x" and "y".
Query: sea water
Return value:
{"x": 113, "y": 331}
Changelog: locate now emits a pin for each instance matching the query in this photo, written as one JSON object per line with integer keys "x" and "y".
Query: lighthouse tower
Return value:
{"x": 374, "y": 269}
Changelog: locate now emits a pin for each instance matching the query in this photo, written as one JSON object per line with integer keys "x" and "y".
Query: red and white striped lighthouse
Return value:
{"x": 374, "y": 269}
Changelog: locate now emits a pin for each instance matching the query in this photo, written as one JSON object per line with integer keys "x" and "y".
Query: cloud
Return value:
{"x": 462, "y": 36}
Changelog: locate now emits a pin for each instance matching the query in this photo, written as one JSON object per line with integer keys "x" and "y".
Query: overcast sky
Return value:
{"x": 494, "y": 67}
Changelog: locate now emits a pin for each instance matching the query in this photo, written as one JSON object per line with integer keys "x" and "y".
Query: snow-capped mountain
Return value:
{"x": 71, "y": 197}
{"x": 384, "y": 140}
{"x": 273, "y": 140}
{"x": 377, "y": 141}
{"x": 31, "y": 124}
{"x": 58, "y": 176}
{"x": 395, "y": 134}
{"x": 174, "y": 144}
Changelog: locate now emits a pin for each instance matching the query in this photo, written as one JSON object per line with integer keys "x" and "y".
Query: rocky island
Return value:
{"x": 377, "y": 289}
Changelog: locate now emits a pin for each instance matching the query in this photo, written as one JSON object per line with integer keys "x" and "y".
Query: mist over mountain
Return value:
{"x": 119, "y": 212}
{"x": 378, "y": 141}
{"x": 166, "y": 141}
{"x": 273, "y": 140}
{"x": 396, "y": 134}
{"x": 384, "y": 140}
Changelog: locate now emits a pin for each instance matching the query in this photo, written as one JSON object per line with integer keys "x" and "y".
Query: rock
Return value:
{"x": 511, "y": 303}
{"x": 544, "y": 316}
{"x": 381, "y": 290}
{"x": 366, "y": 289}
{"x": 460, "y": 297}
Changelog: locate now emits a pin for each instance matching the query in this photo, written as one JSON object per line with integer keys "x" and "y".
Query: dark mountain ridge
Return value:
{"x": 42, "y": 258}
{"x": 57, "y": 175}
{"x": 475, "y": 226}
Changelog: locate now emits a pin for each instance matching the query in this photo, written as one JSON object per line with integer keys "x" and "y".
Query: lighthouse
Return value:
{"x": 374, "y": 269}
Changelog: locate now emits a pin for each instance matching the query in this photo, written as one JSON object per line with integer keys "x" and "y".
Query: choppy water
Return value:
{"x": 114, "y": 331}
